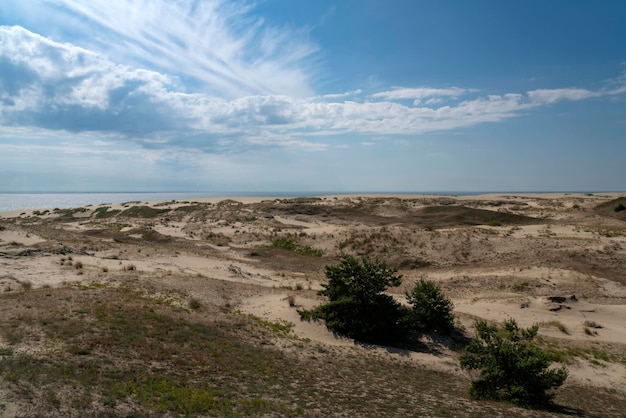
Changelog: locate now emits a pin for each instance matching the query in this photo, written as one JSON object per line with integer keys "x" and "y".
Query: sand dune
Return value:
{"x": 556, "y": 260}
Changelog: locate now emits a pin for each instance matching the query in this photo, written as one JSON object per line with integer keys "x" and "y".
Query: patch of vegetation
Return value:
{"x": 69, "y": 212}
{"x": 413, "y": 263}
{"x": 613, "y": 208}
{"x": 381, "y": 243}
{"x": 6, "y": 351}
{"x": 289, "y": 244}
{"x": 104, "y": 212}
{"x": 280, "y": 328}
{"x": 520, "y": 287}
{"x": 511, "y": 367}
{"x": 591, "y": 354}
{"x": 118, "y": 353}
{"x": 194, "y": 304}
{"x": 142, "y": 212}
{"x": 431, "y": 310}
{"x": 442, "y": 216}
{"x": 494, "y": 222}
{"x": 195, "y": 353}
{"x": 188, "y": 208}
{"x": 558, "y": 325}
{"x": 358, "y": 307}
{"x": 150, "y": 235}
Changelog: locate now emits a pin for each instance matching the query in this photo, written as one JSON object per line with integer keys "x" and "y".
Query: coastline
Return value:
{"x": 246, "y": 199}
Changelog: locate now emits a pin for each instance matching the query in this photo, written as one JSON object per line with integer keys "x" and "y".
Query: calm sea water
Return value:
{"x": 22, "y": 201}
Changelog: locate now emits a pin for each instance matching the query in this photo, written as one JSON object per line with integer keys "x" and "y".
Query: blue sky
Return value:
{"x": 290, "y": 95}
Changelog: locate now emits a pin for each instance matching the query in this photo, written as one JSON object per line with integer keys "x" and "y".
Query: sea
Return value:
{"x": 25, "y": 201}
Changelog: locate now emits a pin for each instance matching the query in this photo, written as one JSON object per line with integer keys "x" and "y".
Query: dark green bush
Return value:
{"x": 431, "y": 310}
{"x": 620, "y": 207}
{"x": 511, "y": 367}
{"x": 358, "y": 307}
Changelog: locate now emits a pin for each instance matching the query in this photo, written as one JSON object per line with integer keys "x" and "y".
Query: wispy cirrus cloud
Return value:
{"x": 228, "y": 50}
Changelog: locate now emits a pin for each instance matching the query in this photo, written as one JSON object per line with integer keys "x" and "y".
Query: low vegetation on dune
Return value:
{"x": 334, "y": 306}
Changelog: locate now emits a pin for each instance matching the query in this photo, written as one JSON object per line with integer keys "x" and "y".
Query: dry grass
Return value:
{"x": 194, "y": 304}
{"x": 558, "y": 325}
{"x": 208, "y": 362}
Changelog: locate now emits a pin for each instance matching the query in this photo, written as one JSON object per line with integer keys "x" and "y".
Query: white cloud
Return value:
{"x": 549, "y": 96}
{"x": 217, "y": 42}
{"x": 59, "y": 87}
{"x": 340, "y": 95}
{"x": 421, "y": 93}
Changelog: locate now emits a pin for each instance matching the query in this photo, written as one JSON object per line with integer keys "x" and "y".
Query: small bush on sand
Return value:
{"x": 431, "y": 310}
{"x": 194, "y": 304}
{"x": 359, "y": 308}
{"x": 511, "y": 367}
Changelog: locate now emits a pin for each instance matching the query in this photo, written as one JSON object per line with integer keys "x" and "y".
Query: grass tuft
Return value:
{"x": 194, "y": 304}
{"x": 289, "y": 244}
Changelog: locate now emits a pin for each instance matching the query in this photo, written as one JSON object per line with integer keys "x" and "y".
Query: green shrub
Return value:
{"x": 104, "y": 212}
{"x": 358, "y": 307}
{"x": 619, "y": 207}
{"x": 142, "y": 212}
{"x": 511, "y": 366}
{"x": 431, "y": 310}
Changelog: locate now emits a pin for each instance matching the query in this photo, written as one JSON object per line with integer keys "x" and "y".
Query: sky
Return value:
{"x": 312, "y": 96}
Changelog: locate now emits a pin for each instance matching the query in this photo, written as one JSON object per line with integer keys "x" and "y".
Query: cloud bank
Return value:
{"x": 57, "y": 86}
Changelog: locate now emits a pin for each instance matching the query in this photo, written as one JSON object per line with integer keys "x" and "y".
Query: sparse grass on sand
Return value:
{"x": 108, "y": 351}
